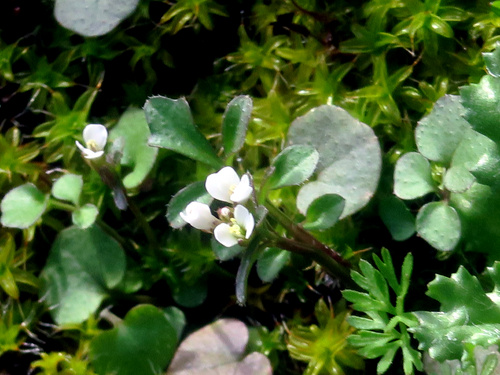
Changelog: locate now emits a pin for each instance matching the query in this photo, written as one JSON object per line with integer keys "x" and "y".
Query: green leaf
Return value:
{"x": 194, "y": 192}
{"x": 458, "y": 179}
{"x": 412, "y": 176}
{"x": 83, "y": 265}
{"x": 439, "y": 225}
{"x": 292, "y": 166}
{"x": 23, "y": 206}
{"x": 349, "y": 157}
{"x": 492, "y": 59}
{"x": 249, "y": 257}
{"x": 85, "y": 216}
{"x": 177, "y": 319}
{"x": 440, "y": 27}
{"x": 68, "y": 188}
{"x": 481, "y": 102}
{"x": 172, "y": 127}
{"x": 467, "y": 317}
{"x": 397, "y": 218}
{"x": 218, "y": 349}
{"x": 137, "y": 155}
{"x": 271, "y": 262}
{"x": 143, "y": 344}
{"x": 439, "y": 133}
{"x": 324, "y": 212}
{"x": 93, "y": 17}
{"x": 235, "y": 123}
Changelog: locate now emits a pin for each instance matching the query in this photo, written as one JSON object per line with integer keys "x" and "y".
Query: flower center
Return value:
{"x": 236, "y": 230}
{"x": 232, "y": 188}
{"x": 92, "y": 144}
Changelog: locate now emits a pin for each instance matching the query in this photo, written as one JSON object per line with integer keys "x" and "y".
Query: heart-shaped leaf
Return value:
{"x": 137, "y": 155}
{"x": 172, "y": 127}
{"x": 349, "y": 157}
{"x": 218, "y": 349}
{"x": 22, "y": 206}
{"x": 142, "y": 344}
{"x": 83, "y": 265}
{"x": 93, "y": 17}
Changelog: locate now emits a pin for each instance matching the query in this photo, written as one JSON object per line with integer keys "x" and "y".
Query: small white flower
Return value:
{"x": 199, "y": 216}
{"x": 241, "y": 227}
{"x": 226, "y": 186}
{"x": 95, "y": 137}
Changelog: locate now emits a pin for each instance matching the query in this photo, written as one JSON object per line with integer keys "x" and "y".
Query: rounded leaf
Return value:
{"x": 142, "y": 344}
{"x": 82, "y": 266}
{"x": 137, "y": 155}
{"x": 458, "y": 179}
{"x": 23, "y": 206}
{"x": 439, "y": 225}
{"x": 85, "y": 216}
{"x": 412, "y": 176}
{"x": 271, "y": 262}
{"x": 439, "y": 133}
{"x": 349, "y": 157}
{"x": 397, "y": 218}
{"x": 93, "y": 17}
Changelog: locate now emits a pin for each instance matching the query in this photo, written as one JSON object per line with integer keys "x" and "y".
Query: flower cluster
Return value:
{"x": 234, "y": 223}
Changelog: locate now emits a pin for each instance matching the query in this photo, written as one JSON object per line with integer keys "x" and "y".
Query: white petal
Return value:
{"x": 242, "y": 191}
{"x": 199, "y": 216}
{"x": 89, "y": 154}
{"x": 244, "y": 219}
{"x": 97, "y": 133}
{"x": 80, "y": 146}
{"x": 222, "y": 234}
{"x": 219, "y": 184}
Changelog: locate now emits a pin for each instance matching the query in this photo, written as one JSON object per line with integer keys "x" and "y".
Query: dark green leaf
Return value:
{"x": 397, "y": 218}
{"x": 235, "y": 123}
{"x": 271, "y": 262}
{"x": 172, "y": 127}
{"x": 143, "y": 344}
{"x": 83, "y": 265}
{"x": 194, "y": 192}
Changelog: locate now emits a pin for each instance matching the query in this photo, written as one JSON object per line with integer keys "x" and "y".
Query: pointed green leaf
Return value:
{"x": 439, "y": 225}
{"x": 82, "y": 266}
{"x": 292, "y": 166}
{"x": 23, "y": 206}
{"x": 324, "y": 212}
{"x": 68, "y": 188}
{"x": 172, "y": 127}
{"x": 412, "y": 176}
{"x": 143, "y": 344}
{"x": 247, "y": 260}
{"x": 235, "y": 123}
